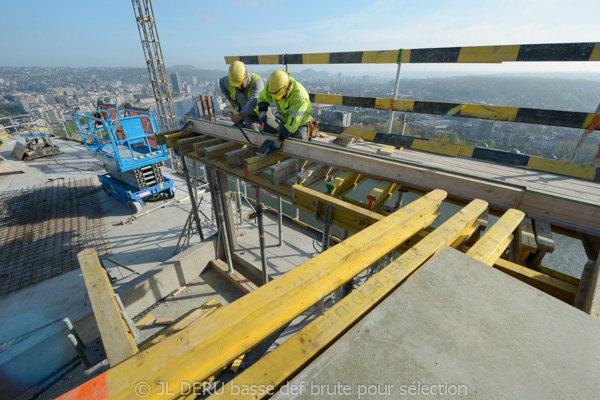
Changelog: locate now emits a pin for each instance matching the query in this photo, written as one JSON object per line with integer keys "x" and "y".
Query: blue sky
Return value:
{"x": 200, "y": 32}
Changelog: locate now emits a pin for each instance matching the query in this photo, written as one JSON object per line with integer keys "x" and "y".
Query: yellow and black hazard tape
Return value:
{"x": 586, "y": 51}
{"x": 569, "y": 119}
{"x": 146, "y": 155}
{"x": 479, "y": 153}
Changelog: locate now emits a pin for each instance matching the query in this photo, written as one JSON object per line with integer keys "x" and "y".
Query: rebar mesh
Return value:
{"x": 42, "y": 229}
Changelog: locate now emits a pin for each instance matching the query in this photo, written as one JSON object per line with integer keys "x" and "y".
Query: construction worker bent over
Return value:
{"x": 295, "y": 108}
{"x": 242, "y": 90}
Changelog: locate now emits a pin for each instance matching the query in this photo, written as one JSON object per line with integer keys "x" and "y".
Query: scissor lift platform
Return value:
{"x": 124, "y": 141}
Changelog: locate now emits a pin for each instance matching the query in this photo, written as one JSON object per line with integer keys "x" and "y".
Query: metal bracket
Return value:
{"x": 327, "y": 220}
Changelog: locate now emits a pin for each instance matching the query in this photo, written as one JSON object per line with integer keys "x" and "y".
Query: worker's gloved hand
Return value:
{"x": 237, "y": 118}
{"x": 283, "y": 133}
{"x": 262, "y": 118}
{"x": 263, "y": 106}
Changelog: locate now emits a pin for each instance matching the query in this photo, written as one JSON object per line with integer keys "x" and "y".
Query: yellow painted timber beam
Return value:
{"x": 284, "y": 170}
{"x": 236, "y": 158}
{"x": 314, "y": 174}
{"x": 491, "y": 245}
{"x": 381, "y": 194}
{"x": 186, "y": 145}
{"x": 343, "y": 214}
{"x": 344, "y": 183}
{"x": 524, "y": 242}
{"x": 171, "y": 140}
{"x": 560, "y": 276}
{"x": 213, "y": 152}
{"x": 200, "y": 146}
{"x": 284, "y": 362}
{"x": 258, "y": 163}
{"x": 196, "y": 353}
{"x": 118, "y": 341}
{"x": 194, "y": 315}
{"x": 555, "y": 287}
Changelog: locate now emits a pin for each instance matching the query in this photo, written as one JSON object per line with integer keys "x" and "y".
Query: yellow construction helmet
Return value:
{"x": 278, "y": 84}
{"x": 237, "y": 73}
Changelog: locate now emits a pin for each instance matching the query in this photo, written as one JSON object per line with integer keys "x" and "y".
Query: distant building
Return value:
{"x": 366, "y": 78}
{"x": 481, "y": 128}
{"x": 24, "y": 106}
{"x": 339, "y": 76}
{"x": 330, "y": 116}
{"x": 176, "y": 83}
{"x": 194, "y": 80}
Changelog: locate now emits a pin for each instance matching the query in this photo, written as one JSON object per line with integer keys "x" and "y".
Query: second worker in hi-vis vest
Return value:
{"x": 294, "y": 106}
{"x": 242, "y": 89}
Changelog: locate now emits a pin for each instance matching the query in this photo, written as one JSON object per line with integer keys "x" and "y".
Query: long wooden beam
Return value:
{"x": 562, "y": 211}
{"x": 118, "y": 341}
{"x": 343, "y": 214}
{"x": 284, "y": 362}
{"x": 196, "y": 353}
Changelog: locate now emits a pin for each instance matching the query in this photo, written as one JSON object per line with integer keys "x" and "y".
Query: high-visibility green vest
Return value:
{"x": 232, "y": 89}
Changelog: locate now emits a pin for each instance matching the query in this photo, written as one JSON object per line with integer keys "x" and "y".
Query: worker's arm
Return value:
{"x": 264, "y": 99}
{"x": 299, "y": 114}
{"x": 257, "y": 88}
{"x": 224, "y": 86}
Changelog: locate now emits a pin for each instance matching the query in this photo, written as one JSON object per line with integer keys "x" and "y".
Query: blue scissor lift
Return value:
{"x": 124, "y": 140}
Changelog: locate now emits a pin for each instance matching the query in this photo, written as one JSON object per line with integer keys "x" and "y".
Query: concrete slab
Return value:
{"x": 460, "y": 327}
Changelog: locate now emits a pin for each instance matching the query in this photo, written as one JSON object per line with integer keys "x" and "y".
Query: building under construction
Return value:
{"x": 358, "y": 264}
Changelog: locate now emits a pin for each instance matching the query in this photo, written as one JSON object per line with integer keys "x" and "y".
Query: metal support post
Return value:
{"x": 261, "y": 235}
{"x": 325, "y": 244}
{"x": 398, "y": 203}
{"x": 77, "y": 344}
{"x": 218, "y": 205}
{"x": 584, "y": 136}
{"x": 395, "y": 95}
{"x": 238, "y": 201}
{"x": 279, "y": 219}
{"x": 186, "y": 174}
{"x": 227, "y": 201}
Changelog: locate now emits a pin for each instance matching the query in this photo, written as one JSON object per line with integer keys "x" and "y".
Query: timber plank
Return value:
{"x": 237, "y": 279}
{"x": 116, "y": 338}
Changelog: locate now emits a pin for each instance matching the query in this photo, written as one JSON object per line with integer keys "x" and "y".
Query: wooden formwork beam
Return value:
{"x": 236, "y": 158}
{"x": 344, "y": 183}
{"x": 361, "y": 158}
{"x": 491, "y": 246}
{"x": 258, "y": 163}
{"x": 217, "y": 151}
{"x": 524, "y": 243}
{"x": 187, "y": 145}
{"x": 235, "y": 278}
{"x": 171, "y": 140}
{"x": 313, "y": 175}
{"x": 284, "y": 170}
{"x": 284, "y": 362}
{"x": 346, "y": 216}
{"x": 117, "y": 339}
{"x": 544, "y": 241}
{"x": 200, "y": 146}
{"x": 195, "y": 354}
{"x": 194, "y": 315}
{"x": 381, "y": 194}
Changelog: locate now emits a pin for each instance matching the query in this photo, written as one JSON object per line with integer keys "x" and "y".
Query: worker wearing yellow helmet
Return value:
{"x": 295, "y": 108}
{"x": 242, "y": 89}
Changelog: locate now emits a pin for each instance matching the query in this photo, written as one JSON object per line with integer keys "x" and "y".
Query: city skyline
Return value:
{"x": 202, "y": 33}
